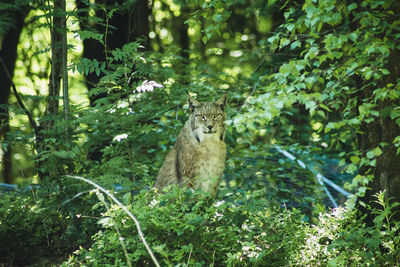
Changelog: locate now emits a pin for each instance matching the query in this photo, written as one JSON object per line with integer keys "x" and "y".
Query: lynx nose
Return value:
{"x": 209, "y": 127}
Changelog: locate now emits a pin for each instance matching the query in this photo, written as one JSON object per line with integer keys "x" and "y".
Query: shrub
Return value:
{"x": 341, "y": 238}
{"x": 30, "y": 229}
{"x": 183, "y": 226}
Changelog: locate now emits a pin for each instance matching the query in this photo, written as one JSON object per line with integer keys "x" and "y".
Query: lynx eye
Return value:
{"x": 201, "y": 117}
{"x": 217, "y": 116}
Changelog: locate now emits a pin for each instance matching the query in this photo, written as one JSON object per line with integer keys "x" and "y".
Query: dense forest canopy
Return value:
{"x": 97, "y": 89}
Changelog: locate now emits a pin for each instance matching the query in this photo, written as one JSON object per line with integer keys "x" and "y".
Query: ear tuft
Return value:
{"x": 222, "y": 101}
{"x": 193, "y": 103}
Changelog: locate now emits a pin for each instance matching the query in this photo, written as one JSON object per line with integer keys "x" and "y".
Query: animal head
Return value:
{"x": 207, "y": 119}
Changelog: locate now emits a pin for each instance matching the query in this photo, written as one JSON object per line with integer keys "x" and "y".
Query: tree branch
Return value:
{"x": 125, "y": 209}
{"x": 19, "y": 100}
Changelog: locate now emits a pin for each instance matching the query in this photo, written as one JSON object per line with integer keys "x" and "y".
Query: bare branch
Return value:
{"x": 125, "y": 209}
{"x": 19, "y": 100}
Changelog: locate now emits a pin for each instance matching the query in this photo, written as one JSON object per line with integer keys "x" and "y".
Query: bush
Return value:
{"x": 183, "y": 226}
{"x": 30, "y": 229}
{"x": 341, "y": 238}
{"x": 42, "y": 225}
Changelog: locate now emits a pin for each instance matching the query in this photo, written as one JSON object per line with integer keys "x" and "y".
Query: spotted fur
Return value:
{"x": 198, "y": 158}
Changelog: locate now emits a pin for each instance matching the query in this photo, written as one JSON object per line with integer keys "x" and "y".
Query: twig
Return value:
{"x": 125, "y": 209}
{"x": 19, "y": 100}
{"x": 190, "y": 254}
{"x": 252, "y": 92}
{"x": 117, "y": 230}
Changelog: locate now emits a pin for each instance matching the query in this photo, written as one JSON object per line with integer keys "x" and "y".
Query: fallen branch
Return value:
{"x": 125, "y": 209}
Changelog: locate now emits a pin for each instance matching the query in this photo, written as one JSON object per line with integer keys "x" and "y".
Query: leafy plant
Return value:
{"x": 32, "y": 228}
{"x": 342, "y": 238}
{"x": 183, "y": 226}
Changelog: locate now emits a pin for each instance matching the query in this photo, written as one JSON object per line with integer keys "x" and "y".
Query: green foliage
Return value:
{"x": 32, "y": 228}
{"x": 122, "y": 129}
{"x": 183, "y": 226}
{"x": 317, "y": 81}
{"x": 10, "y": 10}
{"x": 341, "y": 239}
{"x": 340, "y": 65}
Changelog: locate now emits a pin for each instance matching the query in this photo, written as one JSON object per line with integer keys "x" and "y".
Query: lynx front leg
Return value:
{"x": 168, "y": 172}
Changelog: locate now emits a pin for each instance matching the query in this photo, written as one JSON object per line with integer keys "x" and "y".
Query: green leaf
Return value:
{"x": 100, "y": 196}
{"x": 85, "y": 34}
{"x": 355, "y": 159}
{"x": 105, "y": 222}
{"x": 351, "y": 7}
{"x": 371, "y": 154}
{"x": 295, "y": 44}
{"x": 374, "y": 153}
{"x": 377, "y": 151}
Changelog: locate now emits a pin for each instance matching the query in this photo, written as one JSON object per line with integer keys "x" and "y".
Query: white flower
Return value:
{"x": 154, "y": 203}
{"x": 112, "y": 110}
{"x": 120, "y": 137}
{"x": 218, "y": 215}
{"x": 219, "y": 203}
{"x": 122, "y": 105}
{"x": 148, "y": 86}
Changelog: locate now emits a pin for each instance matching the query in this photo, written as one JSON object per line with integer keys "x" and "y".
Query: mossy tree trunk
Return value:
{"x": 381, "y": 133}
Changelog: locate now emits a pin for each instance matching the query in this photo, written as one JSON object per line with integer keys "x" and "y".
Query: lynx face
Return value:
{"x": 207, "y": 119}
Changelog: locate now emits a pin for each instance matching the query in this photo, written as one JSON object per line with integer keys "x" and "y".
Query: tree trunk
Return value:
{"x": 182, "y": 31}
{"x": 56, "y": 65}
{"x": 8, "y": 53}
{"x": 386, "y": 174}
{"x": 65, "y": 66}
{"x": 47, "y": 121}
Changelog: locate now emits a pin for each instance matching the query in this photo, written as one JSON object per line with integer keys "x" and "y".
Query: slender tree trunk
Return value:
{"x": 182, "y": 30}
{"x": 56, "y": 64}
{"x": 183, "y": 42}
{"x": 8, "y": 53}
{"x": 47, "y": 123}
{"x": 65, "y": 66}
{"x": 92, "y": 49}
{"x": 141, "y": 25}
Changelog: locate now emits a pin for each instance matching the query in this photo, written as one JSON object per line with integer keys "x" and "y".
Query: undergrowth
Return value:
{"x": 185, "y": 228}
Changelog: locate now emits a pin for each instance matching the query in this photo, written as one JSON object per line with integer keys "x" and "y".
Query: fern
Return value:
{"x": 85, "y": 34}
{"x": 87, "y": 66}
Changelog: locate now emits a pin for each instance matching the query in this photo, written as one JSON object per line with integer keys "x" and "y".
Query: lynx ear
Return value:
{"x": 222, "y": 101}
{"x": 193, "y": 103}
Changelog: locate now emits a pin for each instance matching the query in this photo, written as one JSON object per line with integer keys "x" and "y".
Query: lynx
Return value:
{"x": 197, "y": 159}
